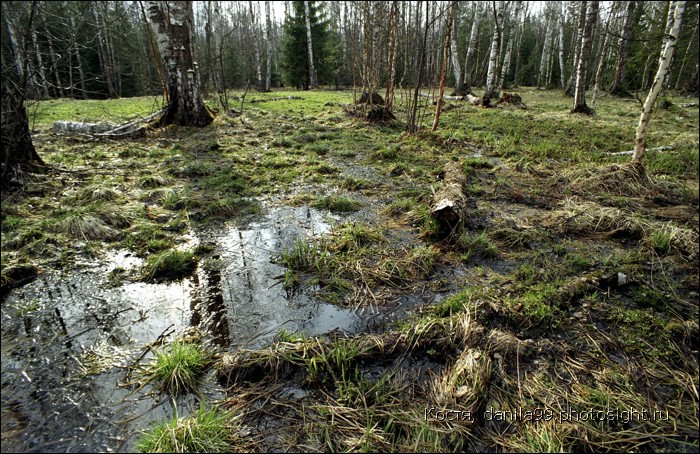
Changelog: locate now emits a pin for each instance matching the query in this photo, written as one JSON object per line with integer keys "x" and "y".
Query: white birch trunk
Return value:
{"x": 14, "y": 41}
{"x": 173, "y": 23}
{"x": 546, "y": 48}
{"x": 581, "y": 71}
{"x": 492, "y": 73}
{"x": 268, "y": 34}
{"x": 102, "y": 52}
{"x": 509, "y": 48}
{"x": 256, "y": 46}
{"x": 456, "y": 68}
{"x": 52, "y": 53}
{"x": 577, "y": 53}
{"x": 473, "y": 35}
{"x": 673, "y": 28}
{"x": 313, "y": 80}
{"x": 562, "y": 79}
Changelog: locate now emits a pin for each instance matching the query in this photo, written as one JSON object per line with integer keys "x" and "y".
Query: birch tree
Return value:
{"x": 547, "y": 44}
{"x": 172, "y": 23}
{"x": 313, "y": 78}
{"x": 514, "y": 26}
{"x": 456, "y": 68}
{"x": 268, "y": 36}
{"x": 562, "y": 82}
{"x": 492, "y": 73}
{"x": 577, "y": 45}
{"x": 102, "y": 50}
{"x": 581, "y": 72}
{"x": 673, "y": 30}
{"x": 602, "y": 59}
{"x": 52, "y": 54}
{"x": 471, "y": 48}
{"x": 256, "y": 46}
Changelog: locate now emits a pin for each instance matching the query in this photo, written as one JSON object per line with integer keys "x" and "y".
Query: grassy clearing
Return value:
{"x": 574, "y": 276}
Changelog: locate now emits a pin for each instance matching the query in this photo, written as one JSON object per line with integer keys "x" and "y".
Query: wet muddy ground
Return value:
{"x": 69, "y": 338}
{"x": 517, "y": 309}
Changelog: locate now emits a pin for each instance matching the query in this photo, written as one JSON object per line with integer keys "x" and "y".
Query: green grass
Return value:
{"x": 44, "y": 113}
{"x": 208, "y": 430}
{"x": 301, "y": 256}
{"x": 337, "y": 204}
{"x": 169, "y": 265}
{"x": 178, "y": 368}
{"x": 660, "y": 241}
{"x": 476, "y": 245}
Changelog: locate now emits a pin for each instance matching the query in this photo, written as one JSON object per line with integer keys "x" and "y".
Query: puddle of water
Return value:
{"x": 48, "y": 406}
{"x": 251, "y": 286}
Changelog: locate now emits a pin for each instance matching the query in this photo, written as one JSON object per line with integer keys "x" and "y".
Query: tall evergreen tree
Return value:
{"x": 296, "y": 46}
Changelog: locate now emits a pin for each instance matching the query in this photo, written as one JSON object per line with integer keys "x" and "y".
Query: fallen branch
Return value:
{"x": 133, "y": 123}
{"x": 631, "y": 152}
{"x": 275, "y": 99}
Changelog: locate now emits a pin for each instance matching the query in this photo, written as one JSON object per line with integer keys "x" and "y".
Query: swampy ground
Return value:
{"x": 562, "y": 315}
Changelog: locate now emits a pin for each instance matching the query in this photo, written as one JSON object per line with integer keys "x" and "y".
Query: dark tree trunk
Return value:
{"x": 617, "y": 87}
{"x": 580, "y": 105}
{"x": 17, "y": 151}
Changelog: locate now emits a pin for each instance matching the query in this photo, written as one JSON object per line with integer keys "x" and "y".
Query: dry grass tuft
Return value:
{"x": 464, "y": 386}
{"x": 88, "y": 227}
{"x": 582, "y": 216}
{"x": 624, "y": 180}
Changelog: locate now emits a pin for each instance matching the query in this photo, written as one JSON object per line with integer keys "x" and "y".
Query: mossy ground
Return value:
{"x": 537, "y": 319}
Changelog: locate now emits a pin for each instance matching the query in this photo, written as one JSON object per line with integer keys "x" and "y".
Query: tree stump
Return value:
{"x": 449, "y": 204}
{"x": 374, "y": 98}
{"x": 379, "y": 114}
{"x": 511, "y": 99}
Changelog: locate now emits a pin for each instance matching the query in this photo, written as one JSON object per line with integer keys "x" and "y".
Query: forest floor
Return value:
{"x": 563, "y": 315}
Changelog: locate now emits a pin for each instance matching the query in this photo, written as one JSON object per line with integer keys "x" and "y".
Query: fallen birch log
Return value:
{"x": 449, "y": 204}
{"x": 106, "y": 130}
{"x": 83, "y": 128}
{"x": 631, "y": 152}
{"x": 274, "y": 99}
{"x": 448, "y": 97}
